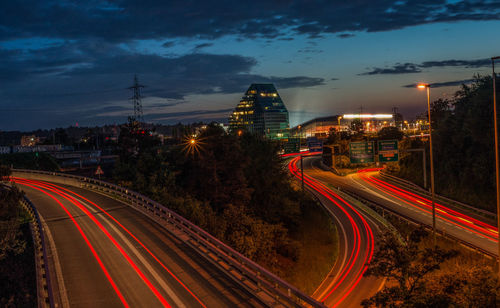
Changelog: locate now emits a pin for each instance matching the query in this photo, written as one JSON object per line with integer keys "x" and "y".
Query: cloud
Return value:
{"x": 188, "y": 116}
{"x": 443, "y": 84}
{"x": 345, "y": 35}
{"x": 406, "y": 68}
{"x": 464, "y": 63}
{"x": 168, "y": 44}
{"x": 334, "y": 79}
{"x": 203, "y": 45}
{"x": 127, "y": 20}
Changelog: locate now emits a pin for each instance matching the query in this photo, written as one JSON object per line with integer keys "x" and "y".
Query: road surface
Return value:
{"x": 345, "y": 285}
{"x": 106, "y": 254}
{"x": 467, "y": 227}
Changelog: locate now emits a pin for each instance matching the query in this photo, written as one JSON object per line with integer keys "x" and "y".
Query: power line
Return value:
{"x": 136, "y": 100}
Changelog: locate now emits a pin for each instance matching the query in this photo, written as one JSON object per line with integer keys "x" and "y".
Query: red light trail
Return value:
{"x": 345, "y": 207}
{"x": 456, "y": 218}
{"x": 60, "y": 188}
{"x": 94, "y": 253}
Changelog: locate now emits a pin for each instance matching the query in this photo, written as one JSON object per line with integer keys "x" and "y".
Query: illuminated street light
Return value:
{"x": 428, "y": 87}
{"x": 496, "y": 151}
{"x": 192, "y": 145}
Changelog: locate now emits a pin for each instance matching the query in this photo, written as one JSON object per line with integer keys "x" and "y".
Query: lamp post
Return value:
{"x": 496, "y": 151}
{"x": 428, "y": 87}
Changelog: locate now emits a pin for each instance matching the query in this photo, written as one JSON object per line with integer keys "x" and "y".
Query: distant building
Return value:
{"x": 5, "y": 149}
{"x": 371, "y": 123}
{"x": 319, "y": 127}
{"x": 261, "y": 111}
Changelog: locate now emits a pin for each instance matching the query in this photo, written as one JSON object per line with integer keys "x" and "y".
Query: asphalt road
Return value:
{"x": 114, "y": 256}
{"x": 456, "y": 222}
{"x": 345, "y": 285}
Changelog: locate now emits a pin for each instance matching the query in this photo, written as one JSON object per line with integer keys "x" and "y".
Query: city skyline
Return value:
{"x": 64, "y": 63}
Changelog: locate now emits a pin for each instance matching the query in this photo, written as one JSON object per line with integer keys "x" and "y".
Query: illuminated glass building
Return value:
{"x": 261, "y": 111}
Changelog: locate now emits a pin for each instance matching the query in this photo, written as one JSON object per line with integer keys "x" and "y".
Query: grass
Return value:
{"x": 318, "y": 240}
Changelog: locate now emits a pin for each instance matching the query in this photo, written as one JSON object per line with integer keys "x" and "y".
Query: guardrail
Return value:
{"x": 420, "y": 190}
{"x": 44, "y": 287}
{"x": 379, "y": 207}
{"x": 269, "y": 288}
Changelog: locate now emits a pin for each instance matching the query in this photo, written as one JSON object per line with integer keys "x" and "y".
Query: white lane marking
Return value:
{"x": 148, "y": 266}
{"x": 63, "y": 294}
{"x": 343, "y": 260}
{"x": 372, "y": 191}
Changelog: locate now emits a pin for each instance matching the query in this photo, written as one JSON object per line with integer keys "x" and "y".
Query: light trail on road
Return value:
{"x": 50, "y": 189}
{"x": 87, "y": 241}
{"x": 360, "y": 252}
{"x": 423, "y": 204}
{"x": 64, "y": 192}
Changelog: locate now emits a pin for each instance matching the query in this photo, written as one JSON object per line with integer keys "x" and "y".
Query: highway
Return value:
{"x": 345, "y": 285}
{"x": 458, "y": 223}
{"x": 106, "y": 254}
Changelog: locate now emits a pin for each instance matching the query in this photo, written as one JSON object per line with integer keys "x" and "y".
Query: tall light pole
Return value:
{"x": 428, "y": 87}
{"x": 496, "y": 151}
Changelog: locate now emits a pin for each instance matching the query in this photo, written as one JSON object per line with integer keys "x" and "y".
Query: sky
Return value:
{"x": 69, "y": 62}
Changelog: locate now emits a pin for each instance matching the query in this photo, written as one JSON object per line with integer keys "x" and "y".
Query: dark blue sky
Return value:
{"x": 63, "y": 62}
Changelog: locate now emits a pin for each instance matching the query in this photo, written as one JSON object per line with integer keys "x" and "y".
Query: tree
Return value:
{"x": 4, "y": 173}
{"x": 11, "y": 239}
{"x": 389, "y": 133}
{"x": 406, "y": 265}
{"x": 467, "y": 286}
{"x": 463, "y": 145}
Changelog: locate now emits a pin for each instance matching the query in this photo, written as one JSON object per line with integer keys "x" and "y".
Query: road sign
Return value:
{"x": 315, "y": 146}
{"x": 292, "y": 146}
{"x": 388, "y": 150}
{"x": 361, "y": 152}
{"x": 99, "y": 171}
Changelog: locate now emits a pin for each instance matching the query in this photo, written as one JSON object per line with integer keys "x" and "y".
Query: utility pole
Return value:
{"x": 497, "y": 162}
{"x": 136, "y": 100}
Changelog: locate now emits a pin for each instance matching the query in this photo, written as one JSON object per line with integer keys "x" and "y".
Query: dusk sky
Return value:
{"x": 67, "y": 62}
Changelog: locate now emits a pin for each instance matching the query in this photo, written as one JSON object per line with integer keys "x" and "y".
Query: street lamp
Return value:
{"x": 496, "y": 151}
{"x": 428, "y": 87}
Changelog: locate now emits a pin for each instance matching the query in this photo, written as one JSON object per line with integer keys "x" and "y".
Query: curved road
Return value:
{"x": 106, "y": 254}
{"x": 345, "y": 285}
{"x": 459, "y": 223}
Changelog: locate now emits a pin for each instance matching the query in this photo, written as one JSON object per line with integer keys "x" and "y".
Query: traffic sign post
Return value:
{"x": 361, "y": 152}
{"x": 99, "y": 172}
{"x": 388, "y": 151}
